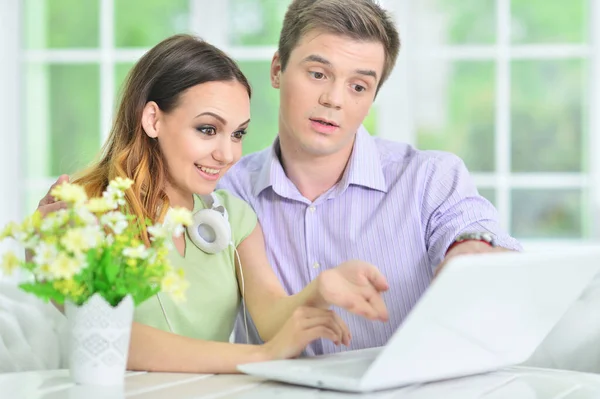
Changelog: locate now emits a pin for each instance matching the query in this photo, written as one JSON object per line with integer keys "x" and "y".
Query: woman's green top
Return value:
{"x": 213, "y": 296}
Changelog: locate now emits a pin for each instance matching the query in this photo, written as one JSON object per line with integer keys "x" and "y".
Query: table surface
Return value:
{"x": 513, "y": 383}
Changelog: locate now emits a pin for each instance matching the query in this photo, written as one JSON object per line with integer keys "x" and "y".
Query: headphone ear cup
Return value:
{"x": 209, "y": 231}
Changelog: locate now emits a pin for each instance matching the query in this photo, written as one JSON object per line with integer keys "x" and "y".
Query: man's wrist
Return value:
{"x": 482, "y": 237}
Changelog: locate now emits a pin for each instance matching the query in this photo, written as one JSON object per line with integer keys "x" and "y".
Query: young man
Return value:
{"x": 326, "y": 191}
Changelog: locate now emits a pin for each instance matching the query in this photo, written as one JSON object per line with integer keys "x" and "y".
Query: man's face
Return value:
{"x": 327, "y": 88}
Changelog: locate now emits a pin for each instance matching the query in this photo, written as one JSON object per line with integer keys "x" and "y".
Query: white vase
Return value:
{"x": 99, "y": 340}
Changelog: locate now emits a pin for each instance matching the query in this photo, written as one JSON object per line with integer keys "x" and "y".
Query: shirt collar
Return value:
{"x": 363, "y": 169}
{"x": 364, "y": 166}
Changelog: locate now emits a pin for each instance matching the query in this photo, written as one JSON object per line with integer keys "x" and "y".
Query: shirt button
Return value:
{"x": 316, "y": 265}
{"x": 311, "y": 208}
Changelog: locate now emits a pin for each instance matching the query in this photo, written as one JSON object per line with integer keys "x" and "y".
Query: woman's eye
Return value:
{"x": 238, "y": 135}
{"x": 208, "y": 130}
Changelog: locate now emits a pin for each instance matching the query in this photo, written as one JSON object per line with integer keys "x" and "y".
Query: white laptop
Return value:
{"x": 482, "y": 313}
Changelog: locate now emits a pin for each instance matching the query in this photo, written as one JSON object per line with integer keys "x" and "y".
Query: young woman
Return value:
{"x": 179, "y": 127}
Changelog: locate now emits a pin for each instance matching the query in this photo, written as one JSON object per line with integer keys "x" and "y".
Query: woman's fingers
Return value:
{"x": 52, "y": 207}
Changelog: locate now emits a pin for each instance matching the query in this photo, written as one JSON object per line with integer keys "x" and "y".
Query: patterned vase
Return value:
{"x": 99, "y": 340}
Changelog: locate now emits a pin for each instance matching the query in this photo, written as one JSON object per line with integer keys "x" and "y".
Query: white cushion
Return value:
{"x": 31, "y": 332}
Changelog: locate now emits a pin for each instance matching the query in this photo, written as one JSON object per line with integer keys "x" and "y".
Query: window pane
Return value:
{"x": 441, "y": 22}
{"x": 547, "y": 213}
{"x": 144, "y": 23}
{"x": 33, "y": 198}
{"x": 549, "y": 21}
{"x": 67, "y": 101}
{"x": 489, "y": 194}
{"x": 121, "y": 71}
{"x": 264, "y": 106}
{"x": 548, "y": 109}
{"x": 61, "y": 23}
{"x": 256, "y": 22}
{"x": 454, "y": 110}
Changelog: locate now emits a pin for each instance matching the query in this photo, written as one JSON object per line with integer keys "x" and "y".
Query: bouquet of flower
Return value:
{"x": 93, "y": 246}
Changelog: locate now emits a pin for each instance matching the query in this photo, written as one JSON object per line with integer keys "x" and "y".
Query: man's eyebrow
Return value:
{"x": 324, "y": 61}
{"x": 317, "y": 58}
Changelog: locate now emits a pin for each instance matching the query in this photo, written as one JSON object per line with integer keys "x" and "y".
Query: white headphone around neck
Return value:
{"x": 210, "y": 230}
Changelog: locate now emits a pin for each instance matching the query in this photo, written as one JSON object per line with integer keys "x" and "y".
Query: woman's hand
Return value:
{"x": 304, "y": 326}
{"x": 355, "y": 286}
{"x": 48, "y": 204}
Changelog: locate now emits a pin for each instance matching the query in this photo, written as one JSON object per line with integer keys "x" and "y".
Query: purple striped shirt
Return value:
{"x": 396, "y": 207}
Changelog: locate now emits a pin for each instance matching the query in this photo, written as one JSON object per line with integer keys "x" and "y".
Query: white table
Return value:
{"x": 512, "y": 383}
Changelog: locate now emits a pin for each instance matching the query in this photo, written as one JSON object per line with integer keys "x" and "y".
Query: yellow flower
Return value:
{"x": 100, "y": 205}
{"x": 69, "y": 287}
{"x": 45, "y": 253}
{"x": 75, "y": 241}
{"x": 9, "y": 230}
{"x": 33, "y": 222}
{"x": 120, "y": 183}
{"x": 10, "y": 262}
{"x": 175, "y": 285}
{"x": 65, "y": 266}
{"x": 44, "y": 272}
{"x": 180, "y": 216}
{"x": 68, "y": 192}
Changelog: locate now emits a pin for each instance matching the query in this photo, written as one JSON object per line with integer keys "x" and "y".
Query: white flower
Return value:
{"x": 158, "y": 232}
{"x": 176, "y": 219}
{"x": 114, "y": 196}
{"x": 93, "y": 235}
{"x": 45, "y": 253}
{"x": 86, "y": 216}
{"x": 10, "y": 262}
{"x": 78, "y": 240}
{"x": 120, "y": 183}
{"x": 55, "y": 220}
{"x": 100, "y": 205}
{"x": 139, "y": 252}
{"x": 68, "y": 192}
{"x": 65, "y": 267}
{"x": 116, "y": 221}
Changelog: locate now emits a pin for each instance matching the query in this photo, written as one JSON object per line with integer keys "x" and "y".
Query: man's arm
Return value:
{"x": 452, "y": 206}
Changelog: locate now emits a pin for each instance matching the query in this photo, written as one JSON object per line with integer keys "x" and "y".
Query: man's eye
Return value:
{"x": 317, "y": 75}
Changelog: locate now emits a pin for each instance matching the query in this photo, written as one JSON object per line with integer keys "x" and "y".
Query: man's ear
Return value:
{"x": 150, "y": 119}
{"x": 275, "y": 70}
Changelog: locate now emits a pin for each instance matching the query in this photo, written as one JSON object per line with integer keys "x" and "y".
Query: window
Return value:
{"x": 509, "y": 85}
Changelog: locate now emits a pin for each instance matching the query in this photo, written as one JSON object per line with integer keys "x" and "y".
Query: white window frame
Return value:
{"x": 208, "y": 18}
{"x": 11, "y": 177}
{"x": 503, "y": 52}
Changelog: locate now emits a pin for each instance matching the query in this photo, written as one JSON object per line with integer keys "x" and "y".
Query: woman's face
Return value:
{"x": 201, "y": 138}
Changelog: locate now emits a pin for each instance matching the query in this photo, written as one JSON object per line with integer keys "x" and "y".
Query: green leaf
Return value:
{"x": 44, "y": 291}
{"x": 111, "y": 268}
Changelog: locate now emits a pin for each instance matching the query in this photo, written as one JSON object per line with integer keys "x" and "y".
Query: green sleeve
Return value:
{"x": 242, "y": 218}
